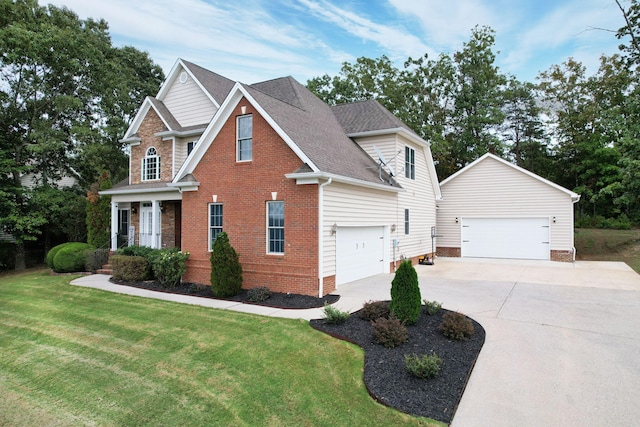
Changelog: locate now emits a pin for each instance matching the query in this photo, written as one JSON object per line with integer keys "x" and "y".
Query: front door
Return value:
{"x": 146, "y": 225}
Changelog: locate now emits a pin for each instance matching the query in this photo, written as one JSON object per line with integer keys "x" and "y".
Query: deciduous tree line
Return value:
{"x": 579, "y": 131}
{"x": 67, "y": 96}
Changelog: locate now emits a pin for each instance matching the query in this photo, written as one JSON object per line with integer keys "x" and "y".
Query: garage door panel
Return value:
{"x": 516, "y": 238}
{"x": 359, "y": 253}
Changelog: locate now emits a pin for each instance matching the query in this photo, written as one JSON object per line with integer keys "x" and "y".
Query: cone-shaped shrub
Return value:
{"x": 406, "y": 302}
{"x": 226, "y": 271}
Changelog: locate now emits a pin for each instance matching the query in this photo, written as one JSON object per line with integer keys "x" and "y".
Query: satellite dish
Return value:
{"x": 382, "y": 161}
{"x": 380, "y": 155}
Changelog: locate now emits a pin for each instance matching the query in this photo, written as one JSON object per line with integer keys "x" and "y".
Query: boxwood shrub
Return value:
{"x": 130, "y": 268}
{"x": 71, "y": 257}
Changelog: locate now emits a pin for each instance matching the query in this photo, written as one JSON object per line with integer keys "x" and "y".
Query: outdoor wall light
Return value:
{"x": 393, "y": 228}
{"x": 334, "y": 228}
{"x": 134, "y": 210}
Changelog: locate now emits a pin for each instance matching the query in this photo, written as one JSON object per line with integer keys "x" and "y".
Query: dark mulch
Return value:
{"x": 277, "y": 299}
{"x": 385, "y": 373}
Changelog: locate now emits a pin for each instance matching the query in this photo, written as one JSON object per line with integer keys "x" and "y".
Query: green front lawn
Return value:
{"x": 76, "y": 356}
{"x": 609, "y": 245}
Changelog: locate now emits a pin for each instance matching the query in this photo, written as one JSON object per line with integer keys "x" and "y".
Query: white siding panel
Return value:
{"x": 493, "y": 190}
{"x": 188, "y": 103}
{"x": 351, "y": 206}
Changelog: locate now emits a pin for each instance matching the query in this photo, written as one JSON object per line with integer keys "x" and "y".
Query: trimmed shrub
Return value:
{"x": 96, "y": 259}
{"x": 130, "y": 268}
{"x": 168, "y": 266}
{"x": 71, "y": 257}
{"x": 334, "y": 316}
{"x": 226, "y": 271}
{"x": 456, "y": 326}
{"x": 425, "y": 367}
{"x": 144, "y": 251}
{"x": 52, "y": 253}
{"x": 432, "y": 307}
{"x": 259, "y": 294}
{"x": 372, "y": 310}
{"x": 389, "y": 332}
{"x": 405, "y": 294}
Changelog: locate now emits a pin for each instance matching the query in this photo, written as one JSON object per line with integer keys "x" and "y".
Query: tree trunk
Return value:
{"x": 21, "y": 262}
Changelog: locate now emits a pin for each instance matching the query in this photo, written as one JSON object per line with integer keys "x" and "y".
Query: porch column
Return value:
{"x": 114, "y": 225}
{"x": 155, "y": 224}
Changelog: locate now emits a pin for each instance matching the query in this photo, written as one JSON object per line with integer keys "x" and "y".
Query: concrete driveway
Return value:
{"x": 562, "y": 340}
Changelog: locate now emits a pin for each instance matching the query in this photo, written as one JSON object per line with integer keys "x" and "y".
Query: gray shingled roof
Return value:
{"x": 165, "y": 113}
{"x": 366, "y": 116}
{"x": 313, "y": 127}
{"x": 218, "y": 86}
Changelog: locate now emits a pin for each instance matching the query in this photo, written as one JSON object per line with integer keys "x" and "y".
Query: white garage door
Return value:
{"x": 359, "y": 253}
{"x": 516, "y": 238}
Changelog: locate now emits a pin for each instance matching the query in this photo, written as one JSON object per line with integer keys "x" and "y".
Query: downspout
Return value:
{"x": 320, "y": 237}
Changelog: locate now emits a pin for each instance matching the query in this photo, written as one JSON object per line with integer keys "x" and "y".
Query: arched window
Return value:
{"x": 151, "y": 165}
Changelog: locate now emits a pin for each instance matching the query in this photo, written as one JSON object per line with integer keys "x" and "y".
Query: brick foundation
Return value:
{"x": 562, "y": 256}
{"x": 448, "y": 252}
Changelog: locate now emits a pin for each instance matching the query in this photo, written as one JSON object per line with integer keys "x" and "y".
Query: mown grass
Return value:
{"x": 76, "y": 356}
{"x": 609, "y": 245}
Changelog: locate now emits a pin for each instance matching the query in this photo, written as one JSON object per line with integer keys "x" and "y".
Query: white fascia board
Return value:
{"x": 218, "y": 121}
{"x": 185, "y": 186}
{"x": 180, "y": 133}
{"x": 402, "y": 131}
{"x": 317, "y": 177}
{"x": 141, "y": 192}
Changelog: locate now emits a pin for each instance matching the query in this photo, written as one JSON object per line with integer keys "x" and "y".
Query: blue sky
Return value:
{"x": 255, "y": 40}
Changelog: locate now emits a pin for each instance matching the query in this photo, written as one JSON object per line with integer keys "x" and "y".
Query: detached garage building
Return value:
{"x": 494, "y": 209}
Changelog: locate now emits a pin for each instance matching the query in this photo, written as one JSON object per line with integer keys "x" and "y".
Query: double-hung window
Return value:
{"x": 245, "y": 138}
{"x": 275, "y": 227}
{"x": 409, "y": 162}
{"x": 151, "y": 165}
{"x": 215, "y": 222}
{"x": 190, "y": 146}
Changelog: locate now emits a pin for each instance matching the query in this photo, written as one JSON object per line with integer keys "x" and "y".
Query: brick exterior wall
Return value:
{"x": 562, "y": 256}
{"x": 244, "y": 189}
{"x": 448, "y": 252}
{"x": 151, "y": 124}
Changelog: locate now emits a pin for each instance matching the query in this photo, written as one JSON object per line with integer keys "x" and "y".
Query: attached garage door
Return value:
{"x": 359, "y": 253}
{"x": 516, "y": 238}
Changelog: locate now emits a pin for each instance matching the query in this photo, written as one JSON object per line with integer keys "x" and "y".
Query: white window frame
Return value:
{"x": 276, "y": 227}
{"x": 146, "y": 176}
{"x": 219, "y": 228}
{"x": 409, "y": 162}
{"x": 242, "y": 140}
{"x": 406, "y": 222}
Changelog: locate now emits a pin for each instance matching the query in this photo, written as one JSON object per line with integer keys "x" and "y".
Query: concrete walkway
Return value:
{"x": 562, "y": 340}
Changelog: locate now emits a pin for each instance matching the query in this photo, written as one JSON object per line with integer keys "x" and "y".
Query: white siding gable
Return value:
{"x": 188, "y": 103}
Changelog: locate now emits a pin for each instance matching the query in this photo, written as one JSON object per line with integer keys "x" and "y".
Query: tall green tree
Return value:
{"x": 66, "y": 97}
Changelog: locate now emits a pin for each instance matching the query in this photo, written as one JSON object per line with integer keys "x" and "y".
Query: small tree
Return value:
{"x": 406, "y": 302}
{"x": 226, "y": 271}
{"x": 99, "y": 213}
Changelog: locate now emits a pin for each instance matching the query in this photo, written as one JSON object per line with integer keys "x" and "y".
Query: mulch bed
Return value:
{"x": 277, "y": 299}
{"x": 385, "y": 374}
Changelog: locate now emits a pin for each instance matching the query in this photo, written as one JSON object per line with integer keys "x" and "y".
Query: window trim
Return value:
{"x": 193, "y": 147}
{"x": 145, "y": 164}
{"x": 211, "y": 227}
{"x": 406, "y": 222}
{"x": 245, "y": 139}
{"x": 409, "y": 162}
{"x": 270, "y": 227}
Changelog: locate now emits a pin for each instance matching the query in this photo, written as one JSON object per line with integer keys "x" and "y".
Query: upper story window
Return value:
{"x": 151, "y": 165}
{"x": 190, "y": 146}
{"x": 244, "y": 126}
{"x": 409, "y": 162}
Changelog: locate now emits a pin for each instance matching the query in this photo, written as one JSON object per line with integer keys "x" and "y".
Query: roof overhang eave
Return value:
{"x": 180, "y": 133}
{"x": 117, "y": 191}
{"x": 399, "y": 130}
{"x": 319, "y": 177}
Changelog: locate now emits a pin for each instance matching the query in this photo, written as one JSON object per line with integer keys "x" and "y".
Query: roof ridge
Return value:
{"x": 259, "y": 85}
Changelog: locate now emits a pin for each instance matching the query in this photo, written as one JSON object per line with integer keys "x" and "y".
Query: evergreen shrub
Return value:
{"x": 226, "y": 271}
{"x": 372, "y": 310}
{"x": 425, "y": 366}
{"x": 405, "y": 294}
{"x": 71, "y": 257}
{"x": 130, "y": 268}
{"x": 334, "y": 316}
{"x": 52, "y": 253}
{"x": 432, "y": 307}
{"x": 168, "y": 266}
{"x": 259, "y": 294}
